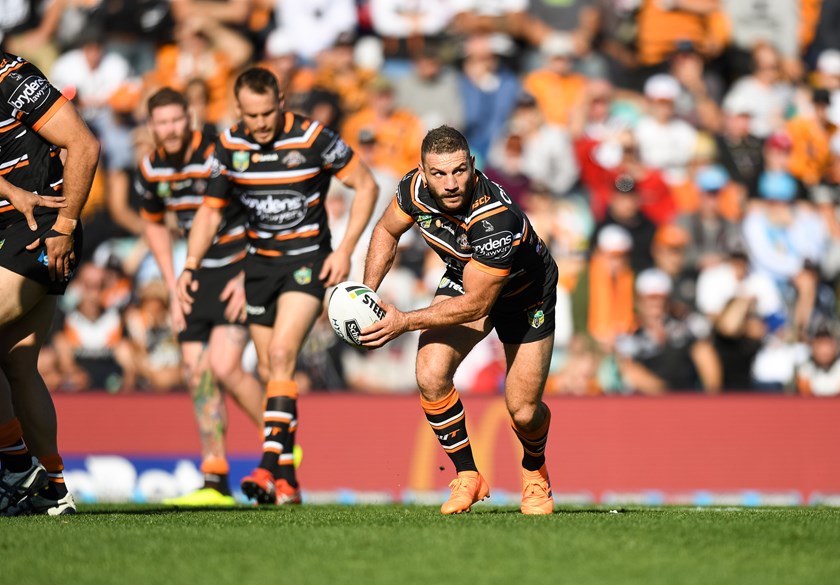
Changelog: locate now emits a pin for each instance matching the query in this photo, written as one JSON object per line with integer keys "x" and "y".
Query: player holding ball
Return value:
{"x": 499, "y": 276}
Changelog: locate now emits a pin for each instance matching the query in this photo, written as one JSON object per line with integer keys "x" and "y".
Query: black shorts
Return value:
{"x": 526, "y": 316}
{"x": 14, "y": 256}
{"x": 267, "y": 278}
{"x": 208, "y": 310}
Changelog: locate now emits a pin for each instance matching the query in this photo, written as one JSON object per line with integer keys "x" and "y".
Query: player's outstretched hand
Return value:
{"x": 26, "y": 202}
{"x": 234, "y": 294}
{"x": 187, "y": 287}
{"x": 336, "y": 268}
{"x": 394, "y": 324}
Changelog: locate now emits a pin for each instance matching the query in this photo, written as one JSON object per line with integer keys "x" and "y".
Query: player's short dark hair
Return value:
{"x": 443, "y": 140}
{"x": 166, "y": 97}
{"x": 259, "y": 80}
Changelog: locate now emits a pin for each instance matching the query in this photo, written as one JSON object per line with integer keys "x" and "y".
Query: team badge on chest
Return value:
{"x": 241, "y": 160}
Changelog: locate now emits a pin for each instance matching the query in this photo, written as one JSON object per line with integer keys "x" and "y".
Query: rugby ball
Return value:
{"x": 351, "y": 308}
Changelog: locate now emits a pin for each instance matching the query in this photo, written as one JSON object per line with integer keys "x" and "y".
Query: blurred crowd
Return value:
{"x": 680, "y": 157}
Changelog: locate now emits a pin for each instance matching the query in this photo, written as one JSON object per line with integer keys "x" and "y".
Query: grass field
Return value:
{"x": 129, "y": 545}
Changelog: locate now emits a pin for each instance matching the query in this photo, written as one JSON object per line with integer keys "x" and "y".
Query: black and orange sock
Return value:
{"x": 449, "y": 423}
{"x": 533, "y": 442}
{"x": 216, "y": 471}
{"x": 54, "y": 465}
{"x": 14, "y": 455}
{"x": 279, "y": 415}
{"x": 287, "y": 457}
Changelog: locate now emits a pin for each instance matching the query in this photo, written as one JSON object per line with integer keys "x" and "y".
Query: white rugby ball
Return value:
{"x": 352, "y": 307}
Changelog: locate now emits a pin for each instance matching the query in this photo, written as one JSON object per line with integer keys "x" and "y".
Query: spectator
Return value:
{"x": 772, "y": 21}
{"x": 407, "y": 29}
{"x": 742, "y": 307}
{"x": 662, "y": 25}
{"x": 820, "y": 374}
{"x": 94, "y": 76}
{"x": 203, "y": 49}
{"x": 556, "y": 87}
{"x": 488, "y": 91}
{"x": 666, "y": 354}
{"x": 338, "y": 73}
{"x": 430, "y": 90}
{"x": 296, "y": 79}
{"x": 710, "y": 234}
{"x": 91, "y": 345}
{"x": 739, "y": 151}
{"x": 777, "y": 156}
{"x": 546, "y": 150}
{"x": 668, "y": 251}
{"x": 665, "y": 142}
{"x": 608, "y": 285}
{"x": 394, "y": 133}
{"x": 313, "y": 27}
{"x": 787, "y": 243}
{"x": 700, "y": 90}
{"x": 154, "y": 346}
{"x": 765, "y": 91}
{"x": 578, "y": 20}
{"x": 625, "y": 210}
{"x": 810, "y": 132}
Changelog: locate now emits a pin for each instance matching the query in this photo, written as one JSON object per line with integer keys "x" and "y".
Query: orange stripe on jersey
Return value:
{"x": 6, "y": 208}
{"x": 214, "y": 202}
{"x": 489, "y": 269}
{"x": 400, "y": 213}
{"x": 275, "y": 180}
{"x": 446, "y": 250}
{"x": 348, "y": 168}
{"x": 183, "y": 206}
{"x": 21, "y": 164}
{"x": 153, "y": 217}
{"x": 272, "y": 253}
{"x": 230, "y": 238}
{"x": 306, "y": 234}
{"x": 230, "y": 145}
{"x": 11, "y": 126}
{"x": 174, "y": 176}
{"x": 290, "y": 120}
{"x": 513, "y": 293}
{"x": 487, "y": 214}
{"x": 49, "y": 113}
{"x": 306, "y": 144}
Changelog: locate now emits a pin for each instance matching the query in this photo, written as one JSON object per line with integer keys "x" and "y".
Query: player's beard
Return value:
{"x": 465, "y": 195}
{"x": 178, "y": 158}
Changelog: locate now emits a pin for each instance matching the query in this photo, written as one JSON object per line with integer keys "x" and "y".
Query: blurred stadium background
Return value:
{"x": 680, "y": 158}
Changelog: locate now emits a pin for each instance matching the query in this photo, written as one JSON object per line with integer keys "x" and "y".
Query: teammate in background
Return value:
{"x": 278, "y": 165}
{"x": 40, "y": 204}
{"x": 499, "y": 275}
{"x": 174, "y": 178}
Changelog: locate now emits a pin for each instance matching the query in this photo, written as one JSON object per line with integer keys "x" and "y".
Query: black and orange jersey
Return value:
{"x": 282, "y": 186}
{"x": 28, "y": 161}
{"x": 494, "y": 233}
{"x": 181, "y": 189}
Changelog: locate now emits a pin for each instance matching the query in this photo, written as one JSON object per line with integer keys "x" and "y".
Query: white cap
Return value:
{"x": 828, "y": 62}
{"x": 662, "y": 87}
{"x": 653, "y": 281}
{"x": 278, "y": 44}
{"x": 614, "y": 238}
{"x": 736, "y": 104}
{"x": 557, "y": 44}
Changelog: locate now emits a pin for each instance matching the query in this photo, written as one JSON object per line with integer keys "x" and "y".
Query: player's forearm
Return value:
{"x": 160, "y": 243}
{"x": 204, "y": 228}
{"x": 79, "y": 168}
{"x": 360, "y": 212}
{"x": 380, "y": 256}
{"x": 453, "y": 311}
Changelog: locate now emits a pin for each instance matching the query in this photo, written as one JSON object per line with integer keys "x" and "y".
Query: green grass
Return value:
{"x": 128, "y": 545}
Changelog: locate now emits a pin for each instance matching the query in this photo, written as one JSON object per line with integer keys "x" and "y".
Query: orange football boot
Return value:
{"x": 286, "y": 494}
{"x": 260, "y": 486}
{"x": 536, "y": 492}
{"x": 467, "y": 489}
